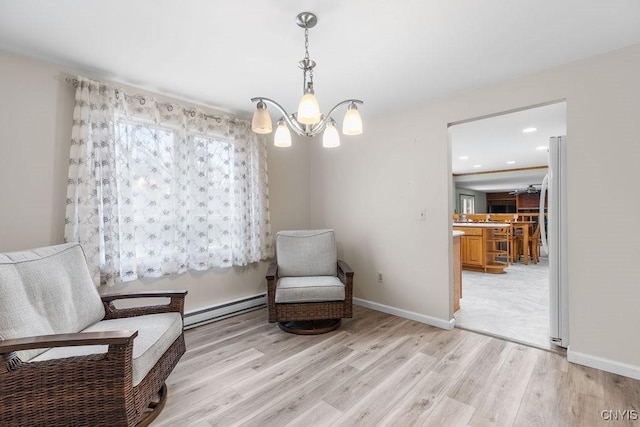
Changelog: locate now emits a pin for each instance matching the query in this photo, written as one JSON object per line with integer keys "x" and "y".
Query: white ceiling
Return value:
{"x": 390, "y": 54}
{"x": 499, "y": 144}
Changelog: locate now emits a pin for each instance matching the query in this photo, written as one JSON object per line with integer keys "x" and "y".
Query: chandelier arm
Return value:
{"x": 295, "y": 126}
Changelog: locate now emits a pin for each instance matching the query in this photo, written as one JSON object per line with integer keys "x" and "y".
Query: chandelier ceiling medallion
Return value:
{"x": 308, "y": 121}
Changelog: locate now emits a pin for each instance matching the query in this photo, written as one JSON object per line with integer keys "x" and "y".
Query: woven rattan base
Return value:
{"x": 310, "y": 327}
{"x": 154, "y": 408}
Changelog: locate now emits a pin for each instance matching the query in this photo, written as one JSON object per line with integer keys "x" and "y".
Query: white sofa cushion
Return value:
{"x": 309, "y": 289}
{"x": 46, "y": 291}
{"x": 156, "y": 333}
{"x": 306, "y": 253}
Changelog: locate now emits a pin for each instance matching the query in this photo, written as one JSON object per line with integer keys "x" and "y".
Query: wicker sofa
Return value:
{"x": 69, "y": 356}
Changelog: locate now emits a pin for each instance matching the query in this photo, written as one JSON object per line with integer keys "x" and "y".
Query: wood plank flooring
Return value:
{"x": 381, "y": 370}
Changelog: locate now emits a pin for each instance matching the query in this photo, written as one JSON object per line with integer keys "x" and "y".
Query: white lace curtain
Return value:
{"x": 156, "y": 188}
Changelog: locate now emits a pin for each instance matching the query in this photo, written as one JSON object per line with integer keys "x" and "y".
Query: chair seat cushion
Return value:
{"x": 156, "y": 333}
{"x": 309, "y": 289}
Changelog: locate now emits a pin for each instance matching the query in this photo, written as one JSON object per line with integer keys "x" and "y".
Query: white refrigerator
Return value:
{"x": 553, "y": 235}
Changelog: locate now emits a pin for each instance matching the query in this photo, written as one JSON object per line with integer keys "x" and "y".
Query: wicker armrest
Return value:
{"x": 345, "y": 274}
{"x": 144, "y": 294}
{"x": 344, "y": 267}
{"x": 176, "y": 303}
{"x": 272, "y": 272}
{"x": 65, "y": 340}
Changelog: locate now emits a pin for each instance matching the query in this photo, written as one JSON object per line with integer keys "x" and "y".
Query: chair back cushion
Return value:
{"x": 46, "y": 291}
{"x": 306, "y": 253}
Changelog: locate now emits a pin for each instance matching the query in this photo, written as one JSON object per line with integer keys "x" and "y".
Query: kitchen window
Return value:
{"x": 467, "y": 204}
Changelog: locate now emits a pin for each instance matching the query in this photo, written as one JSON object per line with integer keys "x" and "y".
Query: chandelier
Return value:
{"x": 308, "y": 121}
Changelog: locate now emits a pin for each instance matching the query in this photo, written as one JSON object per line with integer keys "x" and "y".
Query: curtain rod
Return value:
{"x": 75, "y": 82}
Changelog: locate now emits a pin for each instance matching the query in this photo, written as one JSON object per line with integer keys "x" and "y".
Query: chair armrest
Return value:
{"x": 272, "y": 280}
{"x": 143, "y": 294}
{"x": 118, "y": 358}
{"x": 345, "y": 274}
{"x": 176, "y": 303}
{"x": 345, "y": 268}
{"x": 272, "y": 272}
{"x": 65, "y": 340}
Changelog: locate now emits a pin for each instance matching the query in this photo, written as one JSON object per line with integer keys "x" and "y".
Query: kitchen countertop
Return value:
{"x": 481, "y": 224}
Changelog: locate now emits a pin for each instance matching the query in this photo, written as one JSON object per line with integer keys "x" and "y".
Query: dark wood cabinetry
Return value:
{"x": 512, "y": 203}
{"x": 528, "y": 201}
{"x": 501, "y": 203}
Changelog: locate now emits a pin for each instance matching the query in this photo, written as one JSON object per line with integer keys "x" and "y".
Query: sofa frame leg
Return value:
{"x": 154, "y": 408}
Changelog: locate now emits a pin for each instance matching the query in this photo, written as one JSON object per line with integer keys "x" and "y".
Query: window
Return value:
{"x": 180, "y": 197}
{"x": 467, "y": 204}
{"x": 156, "y": 188}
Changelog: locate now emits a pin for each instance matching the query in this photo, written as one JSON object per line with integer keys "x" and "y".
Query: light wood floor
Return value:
{"x": 379, "y": 369}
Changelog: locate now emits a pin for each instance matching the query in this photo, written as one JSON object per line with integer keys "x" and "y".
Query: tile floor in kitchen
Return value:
{"x": 513, "y": 305}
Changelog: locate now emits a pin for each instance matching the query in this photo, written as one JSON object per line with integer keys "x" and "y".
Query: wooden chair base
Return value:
{"x": 310, "y": 327}
{"x": 154, "y": 408}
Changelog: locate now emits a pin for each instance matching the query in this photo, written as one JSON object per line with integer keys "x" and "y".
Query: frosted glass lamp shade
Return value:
{"x": 330, "y": 137}
{"x": 261, "y": 122}
{"x": 282, "y": 137}
{"x": 308, "y": 109}
{"x": 352, "y": 123}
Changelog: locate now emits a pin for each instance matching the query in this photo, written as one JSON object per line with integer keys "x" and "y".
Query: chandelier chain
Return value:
{"x": 306, "y": 43}
{"x": 306, "y": 57}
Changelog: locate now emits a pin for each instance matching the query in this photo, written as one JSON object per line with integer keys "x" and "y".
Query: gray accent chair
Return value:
{"x": 308, "y": 289}
{"x": 69, "y": 356}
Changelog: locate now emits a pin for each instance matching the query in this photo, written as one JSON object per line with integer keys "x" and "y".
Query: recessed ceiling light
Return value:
{"x": 463, "y": 157}
{"x": 477, "y": 166}
{"x": 511, "y": 162}
{"x": 542, "y": 147}
{"x": 529, "y": 130}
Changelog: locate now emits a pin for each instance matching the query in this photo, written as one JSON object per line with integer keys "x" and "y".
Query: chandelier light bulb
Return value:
{"x": 282, "y": 137}
{"x": 261, "y": 122}
{"x": 308, "y": 109}
{"x": 330, "y": 138}
{"x": 352, "y": 123}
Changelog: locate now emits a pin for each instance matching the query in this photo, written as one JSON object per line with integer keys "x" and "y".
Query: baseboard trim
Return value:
{"x": 624, "y": 369}
{"x": 411, "y": 315}
{"x": 221, "y": 311}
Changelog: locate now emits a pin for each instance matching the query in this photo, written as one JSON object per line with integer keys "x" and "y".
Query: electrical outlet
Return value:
{"x": 380, "y": 279}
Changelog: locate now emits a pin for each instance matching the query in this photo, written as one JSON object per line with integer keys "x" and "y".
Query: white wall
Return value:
{"x": 289, "y": 184}
{"x": 372, "y": 188}
{"x": 35, "y": 134}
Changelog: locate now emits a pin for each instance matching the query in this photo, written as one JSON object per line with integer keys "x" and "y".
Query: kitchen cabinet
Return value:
{"x": 501, "y": 203}
{"x": 512, "y": 203}
{"x": 473, "y": 250}
{"x": 457, "y": 270}
{"x": 477, "y": 247}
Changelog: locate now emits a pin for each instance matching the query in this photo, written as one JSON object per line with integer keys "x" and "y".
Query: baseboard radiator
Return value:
{"x": 222, "y": 311}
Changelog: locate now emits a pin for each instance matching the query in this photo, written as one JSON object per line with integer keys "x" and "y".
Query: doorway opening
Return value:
{"x": 498, "y": 167}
